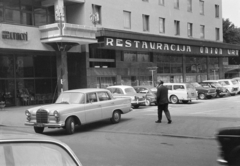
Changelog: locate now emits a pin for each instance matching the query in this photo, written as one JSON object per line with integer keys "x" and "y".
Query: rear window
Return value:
{"x": 178, "y": 87}
{"x": 234, "y": 82}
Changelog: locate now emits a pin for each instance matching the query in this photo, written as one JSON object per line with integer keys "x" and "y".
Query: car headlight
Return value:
{"x": 56, "y": 114}
{"x": 27, "y": 113}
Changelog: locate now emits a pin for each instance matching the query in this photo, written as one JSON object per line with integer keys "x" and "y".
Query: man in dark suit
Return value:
{"x": 162, "y": 102}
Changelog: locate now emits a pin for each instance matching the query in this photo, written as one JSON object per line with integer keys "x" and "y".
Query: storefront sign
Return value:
{"x": 146, "y": 45}
{"x": 166, "y": 47}
{"x": 15, "y": 36}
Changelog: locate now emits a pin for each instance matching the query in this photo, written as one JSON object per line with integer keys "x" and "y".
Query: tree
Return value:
{"x": 231, "y": 34}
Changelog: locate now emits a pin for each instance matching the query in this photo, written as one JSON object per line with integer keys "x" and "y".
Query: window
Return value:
{"x": 97, "y": 12}
{"x": 202, "y": 31}
{"x": 145, "y": 0}
{"x": 217, "y": 11}
{"x": 145, "y": 23}
{"x": 103, "y": 96}
{"x": 26, "y": 12}
{"x": 161, "y": 2}
{"x": 201, "y": 5}
{"x": 162, "y": 25}
{"x": 189, "y": 6}
{"x": 91, "y": 97}
{"x": 176, "y": 4}
{"x": 189, "y": 29}
{"x": 127, "y": 20}
{"x": 177, "y": 27}
{"x": 217, "y": 33}
{"x": 136, "y": 57}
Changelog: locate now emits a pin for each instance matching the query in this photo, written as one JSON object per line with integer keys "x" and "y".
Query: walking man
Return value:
{"x": 162, "y": 102}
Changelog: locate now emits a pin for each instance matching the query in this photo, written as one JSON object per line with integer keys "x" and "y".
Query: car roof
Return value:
{"x": 120, "y": 86}
{"x": 144, "y": 86}
{"x": 87, "y": 90}
{"x": 8, "y": 135}
{"x": 182, "y": 83}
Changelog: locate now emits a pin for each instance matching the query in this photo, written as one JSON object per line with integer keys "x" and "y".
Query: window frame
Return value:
{"x": 202, "y": 31}
{"x": 190, "y": 29}
{"x": 125, "y": 14}
{"x": 201, "y": 6}
{"x": 161, "y": 25}
{"x": 217, "y": 12}
{"x": 146, "y": 23}
{"x": 177, "y": 27}
{"x": 217, "y": 34}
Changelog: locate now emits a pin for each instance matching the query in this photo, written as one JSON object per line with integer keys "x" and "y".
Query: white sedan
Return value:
{"x": 78, "y": 107}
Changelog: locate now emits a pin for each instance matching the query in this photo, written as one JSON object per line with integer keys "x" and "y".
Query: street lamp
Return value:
{"x": 152, "y": 69}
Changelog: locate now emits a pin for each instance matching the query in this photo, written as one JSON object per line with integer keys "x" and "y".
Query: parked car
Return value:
{"x": 231, "y": 85}
{"x": 184, "y": 92}
{"x": 150, "y": 92}
{"x": 78, "y": 107}
{"x": 238, "y": 81}
{"x": 221, "y": 90}
{"x": 204, "y": 92}
{"x": 229, "y": 142}
{"x": 25, "y": 149}
{"x": 125, "y": 91}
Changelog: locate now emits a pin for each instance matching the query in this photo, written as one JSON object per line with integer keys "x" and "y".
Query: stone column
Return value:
{"x": 62, "y": 71}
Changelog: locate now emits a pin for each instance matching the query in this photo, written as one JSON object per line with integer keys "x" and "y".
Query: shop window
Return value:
{"x": 24, "y": 66}
{"x": 42, "y": 64}
{"x": 136, "y": 57}
{"x": 7, "y": 92}
{"x": 233, "y": 60}
{"x": 6, "y": 66}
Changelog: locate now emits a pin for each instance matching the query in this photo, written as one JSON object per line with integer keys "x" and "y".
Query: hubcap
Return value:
{"x": 174, "y": 99}
{"x": 116, "y": 116}
{"x": 72, "y": 127}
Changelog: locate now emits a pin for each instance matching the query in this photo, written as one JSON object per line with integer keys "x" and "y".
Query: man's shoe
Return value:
{"x": 170, "y": 121}
{"x": 158, "y": 121}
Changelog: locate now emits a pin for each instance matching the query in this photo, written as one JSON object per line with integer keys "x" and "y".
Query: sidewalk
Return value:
{"x": 13, "y": 116}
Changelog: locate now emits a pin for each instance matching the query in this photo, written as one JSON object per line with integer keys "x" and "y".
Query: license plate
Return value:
{"x": 39, "y": 125}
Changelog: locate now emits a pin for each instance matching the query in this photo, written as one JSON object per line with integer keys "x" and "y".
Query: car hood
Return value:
{"x": 130, "y": 94}
{"x": 204, "y": 88}
{"x": 55, "y": 107}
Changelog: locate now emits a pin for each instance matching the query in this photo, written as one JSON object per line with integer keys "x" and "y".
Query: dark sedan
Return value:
{"x": 204, "y": 92}
{"x": 150, "y": 92}
{"x": 229, "y": 141}
{"x": 221, "y": 91}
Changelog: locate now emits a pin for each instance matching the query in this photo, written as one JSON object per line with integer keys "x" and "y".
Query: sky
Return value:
{"x": 231, "y": 10}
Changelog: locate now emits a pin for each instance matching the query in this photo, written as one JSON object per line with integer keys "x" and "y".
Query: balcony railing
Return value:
{"x": 70, "y": 33}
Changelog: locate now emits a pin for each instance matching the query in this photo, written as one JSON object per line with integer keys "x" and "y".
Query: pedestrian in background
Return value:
{"x": 162, "y": 102}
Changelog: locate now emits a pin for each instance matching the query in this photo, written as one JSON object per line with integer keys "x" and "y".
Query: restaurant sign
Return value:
{"x": 15, "y": 35}
{"x": 165, "y": 47}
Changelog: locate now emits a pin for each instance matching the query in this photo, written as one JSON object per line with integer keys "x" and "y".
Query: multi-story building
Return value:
{"x": 49, "y": 45}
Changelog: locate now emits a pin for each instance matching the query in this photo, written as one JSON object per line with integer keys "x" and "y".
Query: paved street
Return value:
{"x": 189, "y": 139}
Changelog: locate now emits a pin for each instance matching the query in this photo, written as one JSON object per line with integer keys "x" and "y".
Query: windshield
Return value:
{"x": 71, "y": 98}
{"x": 195, "y": 84}
{"x": 34, "y": 154}
{"x": 130, "y": 90}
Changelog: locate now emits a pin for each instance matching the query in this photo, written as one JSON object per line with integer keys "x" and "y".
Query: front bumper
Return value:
{"x": 222, "y": 161}
{"x": 211, "y": 94}
{"x": 53, "y": 125}
{"x": 137, "y": 102}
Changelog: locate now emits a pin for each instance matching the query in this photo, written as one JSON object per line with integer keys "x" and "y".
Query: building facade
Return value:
{"x": 52, "y": 45}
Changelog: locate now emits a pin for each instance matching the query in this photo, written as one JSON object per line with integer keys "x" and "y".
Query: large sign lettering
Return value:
{"x": 166, "y": 47}
{"x": 14, "y": 36}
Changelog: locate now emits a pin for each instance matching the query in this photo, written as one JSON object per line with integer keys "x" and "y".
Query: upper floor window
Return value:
{"x": 127, "y": 19}
{"x": 217, "y": 11}
{"x": 201, "y": 6}
{"x": 189, "y": 6}
{"x": 96, "y": 10}
{"x": 26, "y": 12}
{"x": 176, "y": 4}
{"x": 202, "y": 31}
{"x": 162, "y": 25}
{"x": 161, "y": 2}
{"x": 217, "y": 31}
{"x": 145, "y": 0}
{"x": 190, "y": 29}
{"x": 145, "y": 22}
{"x": 177, "y": 27}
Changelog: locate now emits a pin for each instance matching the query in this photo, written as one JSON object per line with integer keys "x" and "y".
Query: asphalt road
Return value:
{"x": 138, "y": 141}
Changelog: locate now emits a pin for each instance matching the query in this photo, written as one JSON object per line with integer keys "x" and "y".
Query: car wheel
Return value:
{"x": 174, "y": 99}
{"x": 136, "y": 106}
{"x": 70, "y": 125}
{"x": 185, "y": 101}
{"x": 201, "y": 96}
{"x": 147, "y": 103}
{"x": 116, "y": 117}
{"x": 38, "y": 129}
